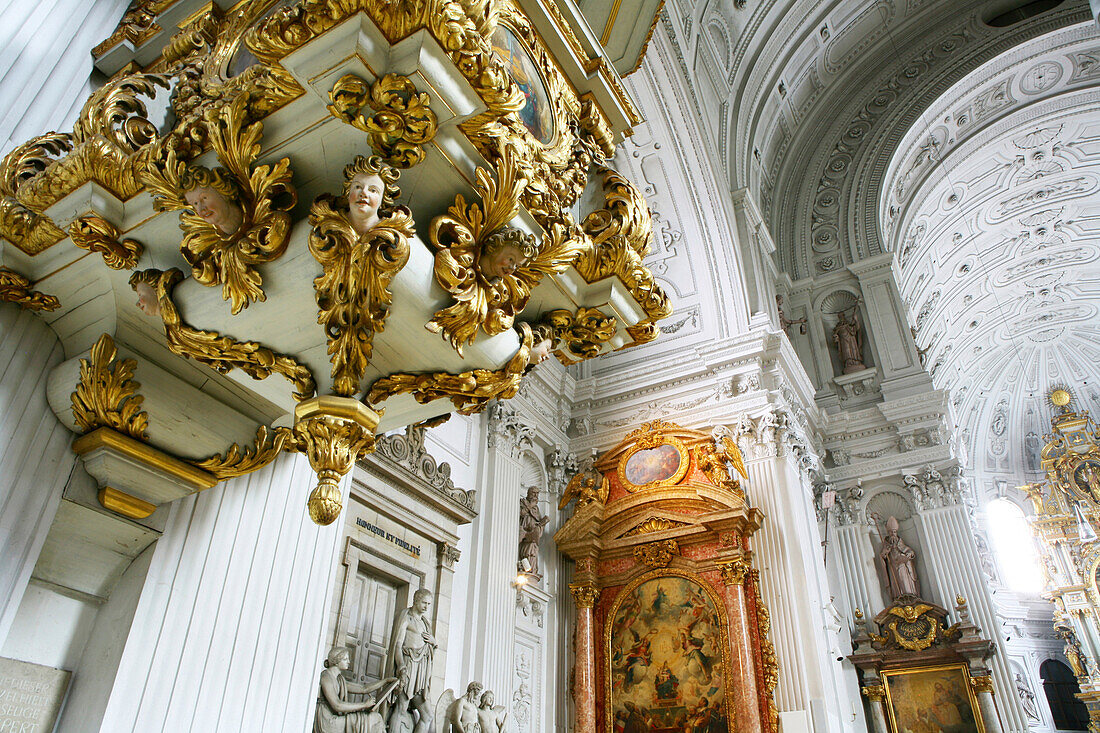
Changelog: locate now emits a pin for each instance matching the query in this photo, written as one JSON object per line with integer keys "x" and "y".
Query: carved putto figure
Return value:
{"x": 492, "y": 719}
{"x": 412, "y": 651}
{"x": 531, "y": 527}
{"x": 361, "y": 241}
{"x": 897, "y": 560}
{"x": 848, "y": 337}
{"x": 335, "y": 712}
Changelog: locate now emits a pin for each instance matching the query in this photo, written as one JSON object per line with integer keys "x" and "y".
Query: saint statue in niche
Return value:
{"x": 897, "y": 560}
{"x": 531, "y": 527}
{"x": 848, "y": 337}
{"x": 412, "y": 651}
{"x": 335, "y": 712}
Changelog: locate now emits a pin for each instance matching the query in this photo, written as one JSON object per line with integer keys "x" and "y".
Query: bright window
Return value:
{"x": 1014, "y": 547}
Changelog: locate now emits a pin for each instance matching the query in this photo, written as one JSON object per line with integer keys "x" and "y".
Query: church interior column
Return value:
{"x": 733, "y": 575}
{"x": 584, "y": 645}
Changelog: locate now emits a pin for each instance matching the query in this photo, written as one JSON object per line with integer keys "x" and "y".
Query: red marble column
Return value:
{"x": 584, "y": 671}
{"x": 747, "y": 698}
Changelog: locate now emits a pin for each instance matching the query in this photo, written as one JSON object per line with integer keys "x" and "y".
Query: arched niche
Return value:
{"x": 829, "y": 308}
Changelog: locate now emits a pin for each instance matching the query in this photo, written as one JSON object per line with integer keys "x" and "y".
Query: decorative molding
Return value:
{"x": 14, "y": 288}
{"x": 407, "y": 450}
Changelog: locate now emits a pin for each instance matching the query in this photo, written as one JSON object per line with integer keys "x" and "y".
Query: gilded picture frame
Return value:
{"x": 721, "y": 632}
{"x": 636, "y": 475}
{"x": 932, "y": 698}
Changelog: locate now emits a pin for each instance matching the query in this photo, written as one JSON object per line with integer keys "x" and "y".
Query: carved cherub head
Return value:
{"x": 504, "y": 251}
{"x": 147, "y": 299}
{"x": 370, "y": 187}
{"x": 213, "y": 196}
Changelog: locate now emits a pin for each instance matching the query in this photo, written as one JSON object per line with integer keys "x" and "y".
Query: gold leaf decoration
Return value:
{"x": 106, "y": 395}
{"x": 402, "y": 122}
{"x": 471, "y": 242}
{"x": 96, "y": 234}
{"x": 256, "y": 198}
{"x": 353, "y": 293}
{"x": 238, "y": 461}
{"x": 219, "y": 352}
{"x": 469, "y": 391}
{"x": 581, "y": 334}
{"x": 14, "y": 288}
{"x": 655, "y": 524}
{"x": 657, "y": 554}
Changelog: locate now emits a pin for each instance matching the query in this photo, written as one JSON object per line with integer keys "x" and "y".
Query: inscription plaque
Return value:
{"x": 30, "y": 696}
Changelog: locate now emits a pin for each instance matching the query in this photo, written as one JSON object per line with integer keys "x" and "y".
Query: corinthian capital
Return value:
{"x": 507, "y": 431}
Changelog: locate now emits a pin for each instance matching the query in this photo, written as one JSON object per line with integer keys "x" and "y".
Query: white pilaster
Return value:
{"x": 35, "y": 459}
{"x": 229, "y": 629}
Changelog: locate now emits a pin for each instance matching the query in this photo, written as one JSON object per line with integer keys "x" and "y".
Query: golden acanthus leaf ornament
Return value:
{"x": 469, "y": 391}
{"x": 96, "y": 234}
{"x": 221, "y": 353}
{"x": 402, "y": 123}
{"x": 353, "y": 296}
{"x": 237, "y": 461}
{"x": 14, "y": 288}
{"x": 488, "y": 268}
{"x": 581, "y": 335}
{"x": 106, "y": 395}
{"x": 233, "y": 217}
{"x": 621, "y": 232}
{"x": 332, "y": 445}
{"x": 29, "y": 230}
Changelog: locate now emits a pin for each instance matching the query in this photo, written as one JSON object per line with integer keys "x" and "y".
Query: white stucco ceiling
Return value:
{"x": 992, "y": 206}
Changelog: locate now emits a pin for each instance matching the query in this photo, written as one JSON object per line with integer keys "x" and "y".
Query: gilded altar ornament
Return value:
{"x": 767, "y": 650}
{"x": 237, "y": 461}
{"x": 874, "y": 693}
{"x": 584, "y": 594}
{"x": 488, "y": 268}
{"x": 333, "y": 432}
{"x": 734, "y": 571}
{"x": 657, "y": 554}
{"x": 982, "y": 683}
{"x": 222, "y": 353}
{"x": 587, "y": 487}
{"x": 402, "y": 123}
{"x": 581, "y": 335}
{"x": 714, "y": 461}
{"x": 96, "y": 234}
{"x": 14, "y": 288}
{"x": 361, "y": 240}
{"x": 106, "y": 395}
{"x": 233, "y": 218}
{"x": 469, "y": 391}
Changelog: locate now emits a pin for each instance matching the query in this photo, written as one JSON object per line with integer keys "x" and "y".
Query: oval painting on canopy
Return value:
{"x": 667, "y": 667}
{"x": 653, "y": 464}
{"x": 536, "y": 113}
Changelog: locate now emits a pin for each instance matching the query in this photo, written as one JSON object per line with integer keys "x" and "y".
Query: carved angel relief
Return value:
{"x": 233, "y": 218}
{"x": 488, "y": 268}
{"x": 361, "y": 241}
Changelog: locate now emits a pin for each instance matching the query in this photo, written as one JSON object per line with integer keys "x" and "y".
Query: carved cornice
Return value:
{"x": 408, "y": 453}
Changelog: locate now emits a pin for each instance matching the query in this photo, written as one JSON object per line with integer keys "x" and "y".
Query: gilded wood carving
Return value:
{"x": 402, "y": 122}
{"x": 233, "y": 217}
{"x": 14, "y": 288}
{"x": 237, "y": 460}
{"x": 96, "y": 234}
{"x": 219, "y": 352}
{"x": 107, "y": 395}
{"x": 361, "y": 240}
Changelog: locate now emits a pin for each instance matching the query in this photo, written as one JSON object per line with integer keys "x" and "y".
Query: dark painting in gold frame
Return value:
{"x": 932, "y": 700}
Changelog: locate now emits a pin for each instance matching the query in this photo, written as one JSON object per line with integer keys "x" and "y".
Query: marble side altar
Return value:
{"x": 671, "y": 631}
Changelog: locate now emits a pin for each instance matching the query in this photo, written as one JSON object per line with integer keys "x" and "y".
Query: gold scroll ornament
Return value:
{"x": 402, "y": 123}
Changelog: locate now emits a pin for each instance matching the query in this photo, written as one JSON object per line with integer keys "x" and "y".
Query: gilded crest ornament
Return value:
{"x": 107, "y": 395}
{"x": 233, "y": 218}
{"x": 96, "y": 234}
{"x": 657, "y": 554}
{"x": 361, "y": 241}
{"x": 488, "y": 268}
{"x": 582, "y": 334}
{"x": 402, "y": 123}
